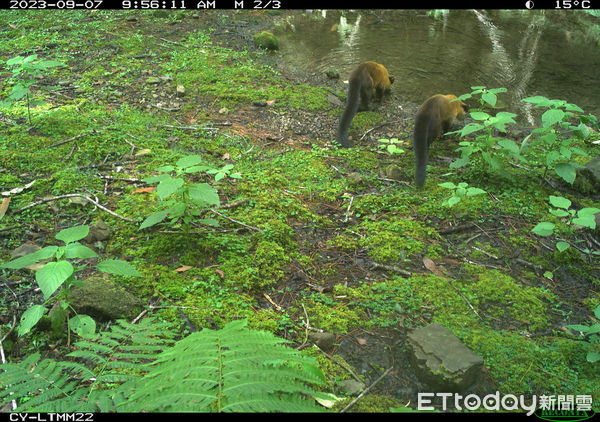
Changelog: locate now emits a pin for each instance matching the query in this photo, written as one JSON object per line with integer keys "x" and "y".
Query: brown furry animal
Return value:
{"x": 433, "y": 119}
{"x": 366, "y": 79}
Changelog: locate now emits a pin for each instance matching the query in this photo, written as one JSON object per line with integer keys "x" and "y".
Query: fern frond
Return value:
{"x": 111, "y": 357}
{"x": 233, "y": 369}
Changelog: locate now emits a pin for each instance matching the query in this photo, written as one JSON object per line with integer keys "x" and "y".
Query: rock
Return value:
{"x": 99, "y": 232}
{"x": 325, "y": 341}
{"x": 442, "y": 360}
{"x": 25, "y": 249}
{"x": 352, "y": 387}
{"x": 587, "y": 180}
{"x": 393, "y": 172}
{"x": 266, "y": 40}
{"x": 104, "y": 301}
{"x": 335, "y": 100}
{"x": 354, "y": 177}
{"x": 332, "y": 74}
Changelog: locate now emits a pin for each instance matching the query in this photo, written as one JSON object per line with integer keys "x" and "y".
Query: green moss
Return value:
{"x": 501, "y": 296}
{"x": 266, "y": 40}
{"x": 387, "y": 303}
{"x": 332, "y": 315}
{"x": 344, "y": 242}
{"x": 396, "y": 240}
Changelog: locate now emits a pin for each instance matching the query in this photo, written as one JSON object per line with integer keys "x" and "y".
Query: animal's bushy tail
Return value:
{"x": 352, "y": 105}
{"x": 421, "y": 140}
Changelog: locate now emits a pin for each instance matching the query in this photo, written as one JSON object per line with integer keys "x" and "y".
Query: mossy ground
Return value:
{"x": 319, "y": 234}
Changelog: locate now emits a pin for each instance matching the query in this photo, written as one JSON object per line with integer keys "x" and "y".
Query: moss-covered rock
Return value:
{"x": 104, "y": 301}
{"x": 266, "y": 40}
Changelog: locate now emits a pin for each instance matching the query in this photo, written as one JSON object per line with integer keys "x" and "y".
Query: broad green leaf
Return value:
{"x": 29, "y": 318}
{"x": 543, "y": 229}
{"x": 562, "y": 246}
{"x": 52, "y": 276}
{"x": 510, "y": 145}
{"x": 32, "y": 258}
{"x": 588, "y": 221}
{"x": 475, "y": 191}
{"x": 578, "y": 327}
{"x": 471, "y": 128}
{"x": 559, "y": 212}
{"x": 588, "y": 211}
{"x": 573, "y": 107}
{"x": 551, "y": 117}
{"x": 453, "y": 201}
{"x": 168, "y": 186}
{"x": 447, "y": 185}
{"x": 593, "y": 357}
{"x": 460, "y": 162}
{"x": 77, "y": 250}
{"x": 153, "y": 219}
{"x": 490, "y": 98}
{"x": 154, "y": 179}
{"x": 18, "y": 91}
{"x": 177, "y": 210}
{"x": 559, "y": 202}
{"x": 82, "y": 325}
{"x": 189, "y": 161}
{"x": 204, "y": 192}
{"x": 118, "y": 267}
{"x": 566, "y": 171}
{"x": 537, "y": 100}
{"x": 15, "y": 60}
{"x": 196, "y": 169}
{"x": 479, "y": 115}
{"x": 73, "y": 234}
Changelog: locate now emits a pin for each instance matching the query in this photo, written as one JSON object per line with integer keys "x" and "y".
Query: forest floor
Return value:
{"x": 311, "y": 236}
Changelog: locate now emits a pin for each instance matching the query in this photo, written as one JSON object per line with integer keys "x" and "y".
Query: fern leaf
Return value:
{"x": 233, "y": 369}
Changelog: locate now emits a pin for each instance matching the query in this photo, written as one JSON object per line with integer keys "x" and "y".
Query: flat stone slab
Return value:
{"x": 441, "y": 360}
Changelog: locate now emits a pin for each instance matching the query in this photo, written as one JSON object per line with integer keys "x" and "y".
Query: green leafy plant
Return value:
{"x": 182, "y": 202}
{"x": 558, "y": 148}
{"x": 583, "y": 217}
{"x": 234, "y": 369}
{"x": 390, "y": 146}
{"x": 25, "y": 70}
{"x": 459, "y": 192}
{"x": 592, "y": 332}
{"x": 59, "y": 275}
{"x": 486, "y": 96}
{"x": 224, "y": 172}
{"x": 495, "y": 151}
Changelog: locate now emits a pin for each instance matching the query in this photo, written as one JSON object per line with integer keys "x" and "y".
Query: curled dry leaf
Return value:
{"x": 430, "y": 265}
{"x": 145, "y": 190}
{"x": 4, "y": 207}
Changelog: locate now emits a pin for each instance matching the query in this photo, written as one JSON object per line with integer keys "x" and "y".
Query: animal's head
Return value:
{"x": 460, "y": 107}
{"x": 391, "y": 78}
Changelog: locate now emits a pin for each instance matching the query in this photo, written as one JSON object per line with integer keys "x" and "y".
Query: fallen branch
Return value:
{"x": 366, "y": 390}
{"x": 235, "y": 221}
{"x": 76, "y": 195}
{"x": 391, "y": 268}
{"x": 56, "y": 144}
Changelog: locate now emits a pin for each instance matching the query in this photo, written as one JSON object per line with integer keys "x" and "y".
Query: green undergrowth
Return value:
{"x": 306, "y": 210}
